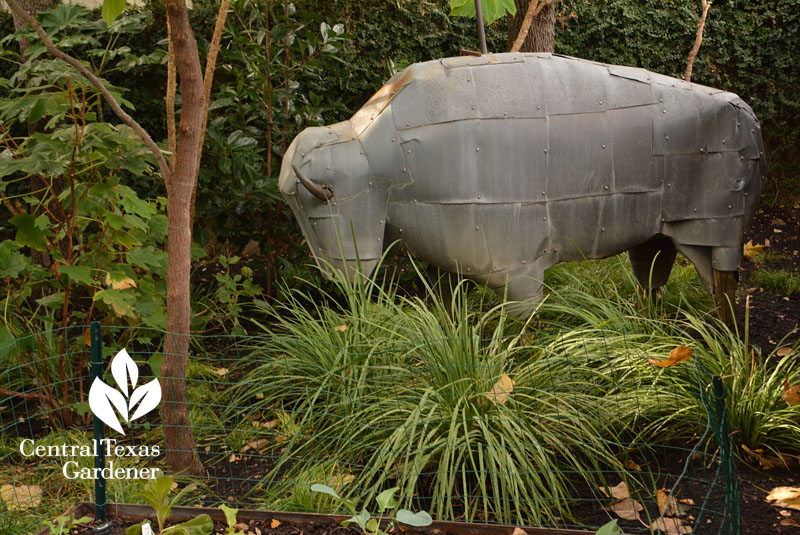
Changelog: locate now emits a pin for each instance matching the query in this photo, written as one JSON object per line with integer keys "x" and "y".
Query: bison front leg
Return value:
{"x": 522, "y": 288}
{"x": 652, "y": 261}
{"x": 725, "y": 296}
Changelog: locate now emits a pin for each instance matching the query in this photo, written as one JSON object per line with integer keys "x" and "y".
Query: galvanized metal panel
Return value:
{"x": 446, "y": 156}
{"x": 573, "y": 87}
{"x": 510, "y": 90}
{"x": 579, "y": 157}
{"x": 632, "y": 144}
{"x": 437, "y": 95}
{"x": 382, "y": 147}
{"x": 692, "y": 122}
{"x": 702, "y": 186}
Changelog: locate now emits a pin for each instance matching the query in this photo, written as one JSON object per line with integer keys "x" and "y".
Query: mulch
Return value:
{"x": 774, "y": 317}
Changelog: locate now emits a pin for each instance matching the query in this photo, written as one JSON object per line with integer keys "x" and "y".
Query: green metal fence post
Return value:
{"x": 727, "y": 460}
{"x": 99, "y": 429}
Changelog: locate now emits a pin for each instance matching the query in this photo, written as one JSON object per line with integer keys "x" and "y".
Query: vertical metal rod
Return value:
{"x": 99, "y": 429}
{"x": 481, "y": 31}
{"x": 727, "y": 460}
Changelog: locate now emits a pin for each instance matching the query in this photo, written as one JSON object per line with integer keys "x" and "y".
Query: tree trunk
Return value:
{"x": 31, "y": 7}
{"x": 542, "y": 34}
{"x": 181, "y": 454}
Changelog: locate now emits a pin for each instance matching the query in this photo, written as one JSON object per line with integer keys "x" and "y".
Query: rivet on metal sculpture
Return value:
{"x": 500, "y": 166}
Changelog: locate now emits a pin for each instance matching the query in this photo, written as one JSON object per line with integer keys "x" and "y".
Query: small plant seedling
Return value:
{"x": 156, "y": 494}
{"x": 230, "y": 518}
{"x": 386, "y": 502}
{"x": 64, "y": 524}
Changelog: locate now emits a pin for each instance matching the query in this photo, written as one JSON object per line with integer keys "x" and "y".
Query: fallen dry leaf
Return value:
{"x": 340, "y": 328}
{"x": 662, "y": 500}
{"x": 788, "y": 522}
{"x": 21, "y": 497}
{"x": 786, "y": 497}
{"x": 266, "y": 425}
{"x": 676, "y": 356}
{"x": 671, "y": 526}
{"x": 630, "y": 464}
{"x": 519, "y": 531}
{"x": 502, "y": 389}
{"x": 751, "y": 249}
{"x": 87, "y": 337}
{"x": 275, "y": 523}
{"x": 777, "y": 230}
{"x": 620, "y": 492}
{"x": 257, "y": 445}
{"x": 791, "y": 394}
{"x": 241, "y": 526}
{"x": 626, "y": 509}
{"x": 782, "y": 352}
{"x": 764, "y": 461}
{"x": 222, "y": 372}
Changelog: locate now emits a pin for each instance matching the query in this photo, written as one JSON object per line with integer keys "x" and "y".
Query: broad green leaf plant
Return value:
{"x": 387, "y": 503}
{"x": 85, "y": 244}
{"x": 492, "y": 9}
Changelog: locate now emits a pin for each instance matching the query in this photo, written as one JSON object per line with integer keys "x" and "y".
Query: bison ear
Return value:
{"x": 321, "y": 192}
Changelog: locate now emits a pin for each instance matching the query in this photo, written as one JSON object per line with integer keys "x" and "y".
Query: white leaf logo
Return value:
{"x": 103, "y": 399}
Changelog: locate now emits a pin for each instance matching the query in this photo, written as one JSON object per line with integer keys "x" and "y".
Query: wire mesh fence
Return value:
{"x": 567, "y": 430}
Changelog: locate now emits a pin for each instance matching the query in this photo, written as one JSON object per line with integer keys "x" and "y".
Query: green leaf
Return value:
{"x": 148, "y": 257}
{"x": 609, "y": 529}
{"x": 154, "y": 362}
{"x": 421, "y": 519}
{"x": 136, "y": 529}
{"x": 12, "y": 262}
{"x": 79, "y": 274}
{"x": 117, "y": 222}
{"x": 158, "y": 226}
{"x": 492, "y": 9}
{"x": 112, "y": 9}
{"x": 230, "y": 514}
{"x": 6, "y": 341}
{"x": 28, "y": 235}
{"x": 199, "y": 525}
{"x": 121, "y": 301}
{"x": 55, "y": 300}
{"x": 325, "y": 489}
{"x": 386, "y": 499}
{"x": 361, "y": 519}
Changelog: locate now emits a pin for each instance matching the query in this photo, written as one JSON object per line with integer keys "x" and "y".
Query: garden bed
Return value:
{"x": 122, "y": 515}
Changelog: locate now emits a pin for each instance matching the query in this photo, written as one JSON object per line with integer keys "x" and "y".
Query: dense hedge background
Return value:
{"x": 750, "y": 48}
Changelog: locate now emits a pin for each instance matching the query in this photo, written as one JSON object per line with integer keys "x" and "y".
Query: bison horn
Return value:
{"x": 322, "y": 193}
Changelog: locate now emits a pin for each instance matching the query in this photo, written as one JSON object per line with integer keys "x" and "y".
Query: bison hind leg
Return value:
{"x": 652, "y": 262}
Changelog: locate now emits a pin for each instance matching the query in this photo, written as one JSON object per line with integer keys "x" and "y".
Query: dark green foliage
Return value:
{"x": 401, "y": 32}
{"x": 749, "y": 48}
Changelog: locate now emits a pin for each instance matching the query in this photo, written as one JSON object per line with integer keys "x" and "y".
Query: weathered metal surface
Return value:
{"x": 136, "y": 513}
{"x": 501, "y": 166}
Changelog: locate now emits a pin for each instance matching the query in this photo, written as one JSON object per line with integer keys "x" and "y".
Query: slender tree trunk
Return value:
{"x": 181, "y": 454}
{"x": 32, "y": 8}
{"x": 542, "y": 34}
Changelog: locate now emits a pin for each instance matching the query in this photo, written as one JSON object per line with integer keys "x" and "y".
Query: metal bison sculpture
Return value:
{"x": 500, "y": 166}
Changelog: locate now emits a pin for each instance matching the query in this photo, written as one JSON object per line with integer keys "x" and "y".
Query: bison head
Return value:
{"x": 326, "y": 179}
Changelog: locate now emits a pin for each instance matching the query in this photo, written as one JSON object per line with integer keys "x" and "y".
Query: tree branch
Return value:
{"x": 172, "y": 88}
{"x": 534, "y": 8}
{"x": 697, "y": 41}
{"x": 109, "y": 98}
{"x": 208, "y": 81}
